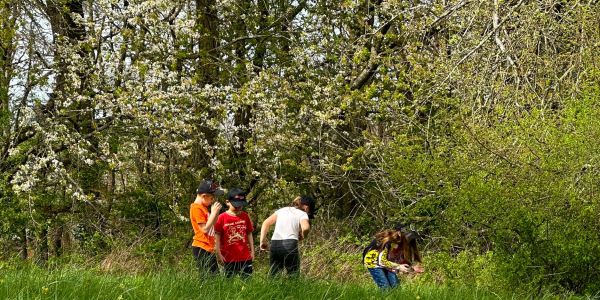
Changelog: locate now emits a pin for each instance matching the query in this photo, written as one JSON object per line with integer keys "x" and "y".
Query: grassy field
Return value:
{"x": 31, "y": 282}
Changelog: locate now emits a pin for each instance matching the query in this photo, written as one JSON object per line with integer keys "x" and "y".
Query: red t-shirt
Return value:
{"x": 234, "y": 232}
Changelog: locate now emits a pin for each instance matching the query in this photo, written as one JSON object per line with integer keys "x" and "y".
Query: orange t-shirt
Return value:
{"x": 199, "y": 215}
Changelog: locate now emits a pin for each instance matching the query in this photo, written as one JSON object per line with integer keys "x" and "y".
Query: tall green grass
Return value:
{"x": 31, "y": 282}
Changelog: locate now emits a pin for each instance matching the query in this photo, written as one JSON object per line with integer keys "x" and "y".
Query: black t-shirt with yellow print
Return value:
{"x": 375, "y": 258}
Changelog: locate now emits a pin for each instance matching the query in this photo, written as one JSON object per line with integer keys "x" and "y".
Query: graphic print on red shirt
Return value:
{"x": 234, "y": 236}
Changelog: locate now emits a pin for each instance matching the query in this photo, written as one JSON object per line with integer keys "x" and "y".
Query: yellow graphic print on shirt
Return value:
{"x": 371, "y": 258}
{"x": 376, "y": 259}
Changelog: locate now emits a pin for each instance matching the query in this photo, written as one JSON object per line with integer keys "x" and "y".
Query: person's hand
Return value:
{"x": 404, "y": 268}
{"x": 215, "y": 208}
{"x": 418, "y": 269}
{"x": 264, "y": 246}
{"x": 220, "y": 258}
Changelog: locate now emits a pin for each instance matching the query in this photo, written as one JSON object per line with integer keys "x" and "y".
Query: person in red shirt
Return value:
{"x": 202, "y": 220}
{"x": 234, "y": 245}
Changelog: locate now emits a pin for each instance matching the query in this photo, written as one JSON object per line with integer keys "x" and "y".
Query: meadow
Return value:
{"x": 71, "y": 282}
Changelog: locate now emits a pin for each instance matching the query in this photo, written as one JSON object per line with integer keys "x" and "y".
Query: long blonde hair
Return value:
{"x": 387, "y": 237}
{"x": 405, "y": 240}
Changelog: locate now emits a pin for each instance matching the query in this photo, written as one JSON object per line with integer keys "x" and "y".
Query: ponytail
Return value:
{"x": 297, "y": 202}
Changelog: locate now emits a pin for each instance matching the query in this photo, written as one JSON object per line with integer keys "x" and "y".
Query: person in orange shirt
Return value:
{"x": 203, "y": 221}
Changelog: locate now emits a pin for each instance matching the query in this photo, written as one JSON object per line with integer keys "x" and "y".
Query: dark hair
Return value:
{"x": 308, "y": 201}
{"x": 401, "y": 227}
{"x": 411, "y": 245}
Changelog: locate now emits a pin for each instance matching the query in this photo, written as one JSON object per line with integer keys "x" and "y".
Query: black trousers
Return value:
{"x": 285, "y": 255}
{"x": 205, "y": 261}
{"x": 243, "y": 268}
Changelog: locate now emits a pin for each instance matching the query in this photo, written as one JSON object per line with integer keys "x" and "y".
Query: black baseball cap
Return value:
{"x": 312, "y": 205}
{"x": 237, "y": 197}
{"x": 411, "y": 237}
{"x": 208, "y": 186}
{"x": 401, "y": 227}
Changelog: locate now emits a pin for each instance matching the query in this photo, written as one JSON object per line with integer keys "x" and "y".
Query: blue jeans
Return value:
{"x": 384, "y": 278}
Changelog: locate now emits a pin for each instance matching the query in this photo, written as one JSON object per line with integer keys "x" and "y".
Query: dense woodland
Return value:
{"x": 476, "y": 122}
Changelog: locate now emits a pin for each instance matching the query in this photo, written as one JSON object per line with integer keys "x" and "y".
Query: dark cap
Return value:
{"x": 208, "y": 186}
{"x": 410, "y": 235}
{"x": 237, "y": 197}
{"x": 401, "y": 227}
{"x": 312, "y": 205}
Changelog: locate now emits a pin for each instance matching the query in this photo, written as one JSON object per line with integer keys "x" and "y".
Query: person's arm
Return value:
{"x": 385, "y": 262}
{"x": 218, "y": 230}
{"x": 212, "y": 218}
{"x": 304, "y": 228}
{"x": 251, "y": 244}
{"x": 220, "y": 258}
{"x": 264, "y": 229}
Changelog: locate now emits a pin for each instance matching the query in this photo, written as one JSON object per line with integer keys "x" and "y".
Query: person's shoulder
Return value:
{"x": 372, "y": 244}
{"x": 195, "y": 205}
{"x": 302, "y": 214}
{"x": 244, "y": 215}
{"x": 222, "y": 215}
{"x": 281, "y": 210}
{"x": 197, "y": 208}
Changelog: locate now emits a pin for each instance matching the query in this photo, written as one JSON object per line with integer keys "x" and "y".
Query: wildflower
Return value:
{"x": 45, "y": 290}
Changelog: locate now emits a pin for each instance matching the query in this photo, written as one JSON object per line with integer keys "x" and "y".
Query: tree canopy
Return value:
{"x": 474, "y": 121}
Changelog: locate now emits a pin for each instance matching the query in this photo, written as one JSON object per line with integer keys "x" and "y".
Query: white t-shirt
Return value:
{"x": 287, "y": 226}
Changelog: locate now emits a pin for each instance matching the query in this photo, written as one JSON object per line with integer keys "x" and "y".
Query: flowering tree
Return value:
{"x": 386, "y": 111}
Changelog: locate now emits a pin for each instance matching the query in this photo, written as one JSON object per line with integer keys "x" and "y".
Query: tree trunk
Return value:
{"x": 42, "y": 245}
{"x": 6, "y": 55}
{"x": 63, "y": 26}
{"x": 207, "y": 72}
{"x": 24, "y": 247}
{"x": 58, "y": 241}
{"x": 207, "y": 24}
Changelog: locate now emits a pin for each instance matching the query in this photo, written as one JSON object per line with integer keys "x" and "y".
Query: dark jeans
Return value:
{"x": 243, "y": 268}
{"x": 205, "y": 261}
{"x": 284, "y": 255}
{"x": 384, "y": 278}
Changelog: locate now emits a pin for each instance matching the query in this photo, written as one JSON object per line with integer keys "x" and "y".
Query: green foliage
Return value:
{"x": 467, "y": 268}
{"x": 474, "y": 122}
{"x": 530, "y": 204}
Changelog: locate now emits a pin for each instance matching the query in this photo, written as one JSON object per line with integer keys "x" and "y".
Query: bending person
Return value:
{"x": 291, "y": 225}
{"x": 377, "y": 260}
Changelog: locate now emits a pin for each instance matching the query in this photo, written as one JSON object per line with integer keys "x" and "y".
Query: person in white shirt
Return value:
{"x": 291, "y": 225}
